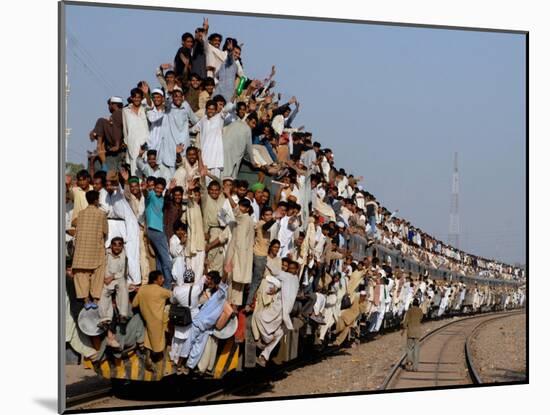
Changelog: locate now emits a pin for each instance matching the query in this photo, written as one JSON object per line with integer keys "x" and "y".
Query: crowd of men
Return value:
{"x": 202, "y": 195}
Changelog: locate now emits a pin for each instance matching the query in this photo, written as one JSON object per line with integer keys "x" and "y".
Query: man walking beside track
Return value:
{"x": 411, "y": 323}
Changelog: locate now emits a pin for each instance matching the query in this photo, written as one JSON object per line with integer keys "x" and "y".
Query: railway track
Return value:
{"x": 445, "y": 357}
{"x": 438, "y": 372}
{"x": 88, "y": 397}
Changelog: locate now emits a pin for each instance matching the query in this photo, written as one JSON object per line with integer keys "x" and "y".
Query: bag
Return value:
{"x": 227, "y": 312}
{"x": 181, "y": 315}
{"x": 346, "y": 302}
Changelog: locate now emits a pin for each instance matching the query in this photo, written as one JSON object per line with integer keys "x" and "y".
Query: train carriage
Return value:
{"x": 231, "y": 355}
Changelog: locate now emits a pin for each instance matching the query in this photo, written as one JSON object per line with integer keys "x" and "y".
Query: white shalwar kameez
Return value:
{"x": 285, "y": 236}
{"x": 181, "y": 297}
{"x": 122, "y": 209}
{"x": 177, "y": 252}
{"x": 155, "y": 117}
{"x": 444, "y": 302}
{"x": 381, "y": 308}
{"x": 117, "y": 227}
{"x": 211, "y": 141}
{"x": 136, "y": 133}
{"x": 289, "y": 290}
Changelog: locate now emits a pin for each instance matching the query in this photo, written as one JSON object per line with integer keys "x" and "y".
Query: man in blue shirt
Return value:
{"x": 154, "y": 215}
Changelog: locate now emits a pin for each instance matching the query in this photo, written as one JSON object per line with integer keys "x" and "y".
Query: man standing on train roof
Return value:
{"x": 411, "y": 323}
{"x": 135, "y": 127}
{"x": 175, "y": 137}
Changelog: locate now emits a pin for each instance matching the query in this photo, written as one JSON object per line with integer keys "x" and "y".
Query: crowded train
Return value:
{"x": 208, "y": 234}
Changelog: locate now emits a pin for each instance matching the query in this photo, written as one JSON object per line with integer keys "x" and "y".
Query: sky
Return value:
{"x": 393, "y": 103}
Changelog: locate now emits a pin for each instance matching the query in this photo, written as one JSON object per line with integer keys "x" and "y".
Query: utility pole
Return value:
{"x": 67, "y": 92}
{"x": 454, "y": 224}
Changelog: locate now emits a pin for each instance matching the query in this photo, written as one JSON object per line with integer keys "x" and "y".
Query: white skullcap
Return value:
{"x": 278, "y": 124}
{"x": 177, "y": 88}
{"x": 115, "y": 100}
{"x": 341, "y": 225}
{"x": 157, "y": 91}
{"x": 363, "y": 292}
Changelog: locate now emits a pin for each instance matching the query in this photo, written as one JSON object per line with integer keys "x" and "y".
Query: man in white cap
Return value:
{"x": 155, "y": 116}
{"x": 108, "y": 133}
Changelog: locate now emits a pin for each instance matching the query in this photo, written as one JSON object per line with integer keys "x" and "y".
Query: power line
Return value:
{"x": 89, "y": 63}
{"x": 88, "y": 57}
{"x": 91, "y": 72}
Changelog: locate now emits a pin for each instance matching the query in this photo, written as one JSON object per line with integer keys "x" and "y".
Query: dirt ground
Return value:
{"x": 499, "y": 350}
{"x": 362, "y": 368}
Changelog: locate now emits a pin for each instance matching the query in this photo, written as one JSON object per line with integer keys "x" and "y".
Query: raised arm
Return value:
{"x": 227, "y": 194}
{"x": 291, "y": 117}
{"x": 192, "y": 117}
{"x": 145, "y": 89}
{"x": 159, "y": 74}
{"x": 250, "y": 148}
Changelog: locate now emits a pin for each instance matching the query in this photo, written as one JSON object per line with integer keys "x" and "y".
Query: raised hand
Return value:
{"x": 205, "y": 25}
{"x": 226, "y": 192}
{"x": 272, "y": 71}
{"x": 124, "y": 174}
{"x": 144, "y": 87}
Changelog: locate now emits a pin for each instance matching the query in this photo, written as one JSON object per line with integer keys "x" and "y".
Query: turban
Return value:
{"x": 257, "y": 186}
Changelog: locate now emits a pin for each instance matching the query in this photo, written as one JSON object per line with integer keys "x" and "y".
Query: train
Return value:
{"x": 240, "y": 354}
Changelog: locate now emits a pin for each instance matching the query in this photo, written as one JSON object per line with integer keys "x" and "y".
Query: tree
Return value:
{"x": 73, "y": 168}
